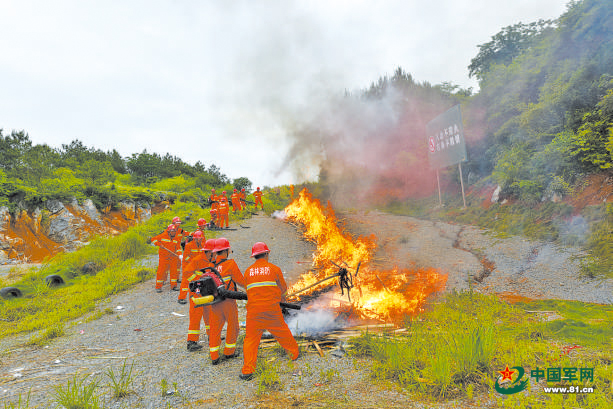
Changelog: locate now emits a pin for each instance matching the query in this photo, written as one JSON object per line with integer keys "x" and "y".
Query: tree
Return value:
{"x": 507, "y": 45}
{"x": 592, "y": 142}
{"x": 12, "y": 149}
{"x": 96, "y": 172}
{"x": 144, "y": 165}
{"x": 117, "y": 162}
{"x": 242, "y": 183}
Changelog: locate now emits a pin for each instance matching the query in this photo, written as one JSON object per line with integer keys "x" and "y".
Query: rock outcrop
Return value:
{"x": 34, "y": 235}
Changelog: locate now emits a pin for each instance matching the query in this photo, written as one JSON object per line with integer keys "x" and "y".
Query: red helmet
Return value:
{"x": 235, "y": 190}
{"x": 221, "y": 244}
{"x": 171, "y": 227}
{"x": 213, "y": 211}
{"x": 197, "y": 234}
{"x": 258, "y": 188}
{"x": 243, "y": 189}
{"x": 212, "y": 190}
{"x": 201, "y": 222}
{"x": 259, "y": 248}
{"x": 209, "y": 245}
{"x": 176, "y": 219}
{"x": 223, "y": 193}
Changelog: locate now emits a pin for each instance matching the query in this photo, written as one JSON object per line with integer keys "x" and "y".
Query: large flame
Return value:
{"x": 383, "y": 295}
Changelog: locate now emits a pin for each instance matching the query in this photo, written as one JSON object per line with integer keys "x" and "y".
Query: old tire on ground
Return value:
{"x": 10, "y": 292}
{"x": 54, "y": 280}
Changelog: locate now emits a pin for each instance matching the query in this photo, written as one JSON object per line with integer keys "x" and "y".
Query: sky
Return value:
{"x": 214, "y": 81}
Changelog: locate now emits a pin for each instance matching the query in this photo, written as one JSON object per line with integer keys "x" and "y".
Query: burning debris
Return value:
{"x": 366, "y": 293}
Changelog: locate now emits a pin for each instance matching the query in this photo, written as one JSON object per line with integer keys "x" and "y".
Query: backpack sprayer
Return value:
{"x": 212, "y": 290}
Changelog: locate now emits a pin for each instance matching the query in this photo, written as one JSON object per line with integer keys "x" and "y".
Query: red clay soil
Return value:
{"x": 32, "y": 247}
{"x": 596, "y": 189}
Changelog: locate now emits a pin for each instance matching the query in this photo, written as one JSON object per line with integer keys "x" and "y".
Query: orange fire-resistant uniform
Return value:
{"x": 225, "y": 311}
{"x": 214, "y": 201}
{"x": 167, "y": 260}
{"x": 223, "y": 212}
{"x": 241, "y": 199}
{"x": 196, "y": 314}
{"x": 182, "y": 237}
{"x": 214, "y": 219}
{"x": 192, "y": 249}
{"x": 236, "y": 202}
{"x": 265, "y": 286}
{"x": 257, "y": 195}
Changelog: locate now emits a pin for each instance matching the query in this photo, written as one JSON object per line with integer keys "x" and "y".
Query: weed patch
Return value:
{"x": 457, "y": 347}
{"x": 22, "y": 403}
{"x": 47, "y": 335}
{"x": 267, "y": 373}
{"x": 121, "y": 383}
{"x": 77, "y": 394}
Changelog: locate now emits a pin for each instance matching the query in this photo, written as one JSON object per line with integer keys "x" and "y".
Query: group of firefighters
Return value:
{"x": 263, "y": 282}
{"x": 220, "y": 205}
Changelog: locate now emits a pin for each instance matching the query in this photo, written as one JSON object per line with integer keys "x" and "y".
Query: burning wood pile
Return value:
{"x": 367, "y": 295}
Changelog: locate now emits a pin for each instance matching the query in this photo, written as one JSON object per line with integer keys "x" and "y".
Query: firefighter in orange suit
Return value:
{"x": 226, "y": 310}
{"x": 242, "y": 199}
{"x": 195, "y": 263}
{"x": 192, "y": 249}
{"x": 223, "y": 211}
{"x": 214, "y": 200}
{"x": 265, "y": 290}
{"x": 236, "y": 201}
{"x": 214, "y": 218}
{"x": 182, "y": 237}
{"x": 169, "y": 256}
{"x": 201, "y": 226}
{"x": 257, "y": 195}
{"x": 197, "y": 314}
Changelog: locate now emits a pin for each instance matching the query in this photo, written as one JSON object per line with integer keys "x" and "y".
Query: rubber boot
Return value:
{"x": 193, "y": 346}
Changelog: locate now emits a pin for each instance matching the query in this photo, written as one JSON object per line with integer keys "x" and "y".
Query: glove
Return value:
{"x": 182, "y": 301}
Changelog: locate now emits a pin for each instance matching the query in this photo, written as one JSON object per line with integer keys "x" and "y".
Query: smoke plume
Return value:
{"x": 369, "y": 147}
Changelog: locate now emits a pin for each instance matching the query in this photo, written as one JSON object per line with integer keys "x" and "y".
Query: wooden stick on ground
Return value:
{"x": 321, "y": 353}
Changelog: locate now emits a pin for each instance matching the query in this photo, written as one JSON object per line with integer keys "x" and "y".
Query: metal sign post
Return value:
{"x": 462, "y": 183}
{"x": 438, "y": 183}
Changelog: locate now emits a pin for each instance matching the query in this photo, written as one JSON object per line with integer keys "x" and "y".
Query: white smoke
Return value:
{"x": 279, "y": 214}
{"x": 315, "y": 318}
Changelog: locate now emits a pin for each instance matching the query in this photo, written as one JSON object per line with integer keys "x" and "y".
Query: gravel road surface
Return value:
{"x": 149, "y": 329}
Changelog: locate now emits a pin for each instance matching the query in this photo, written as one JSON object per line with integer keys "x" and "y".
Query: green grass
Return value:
{"x": 267, "y": 375}
{"x": 47, "y": 335}
{"x": 582, "y": 323}
{"x": 22, "y": 403}
{"x": 77, "y": 394}
{"x": 455, "y": 350}
{"x": 121, "y": 383}
{"x": 117, "y": 268}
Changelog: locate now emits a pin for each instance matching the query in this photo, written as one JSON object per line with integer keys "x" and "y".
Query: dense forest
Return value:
{"x": 32, "y": 174}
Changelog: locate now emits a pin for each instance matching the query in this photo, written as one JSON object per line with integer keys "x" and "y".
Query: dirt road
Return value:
{"x": 149, "y": 329}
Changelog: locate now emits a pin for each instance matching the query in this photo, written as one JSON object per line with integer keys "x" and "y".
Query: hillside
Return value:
{"x": 40, "y": 234}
